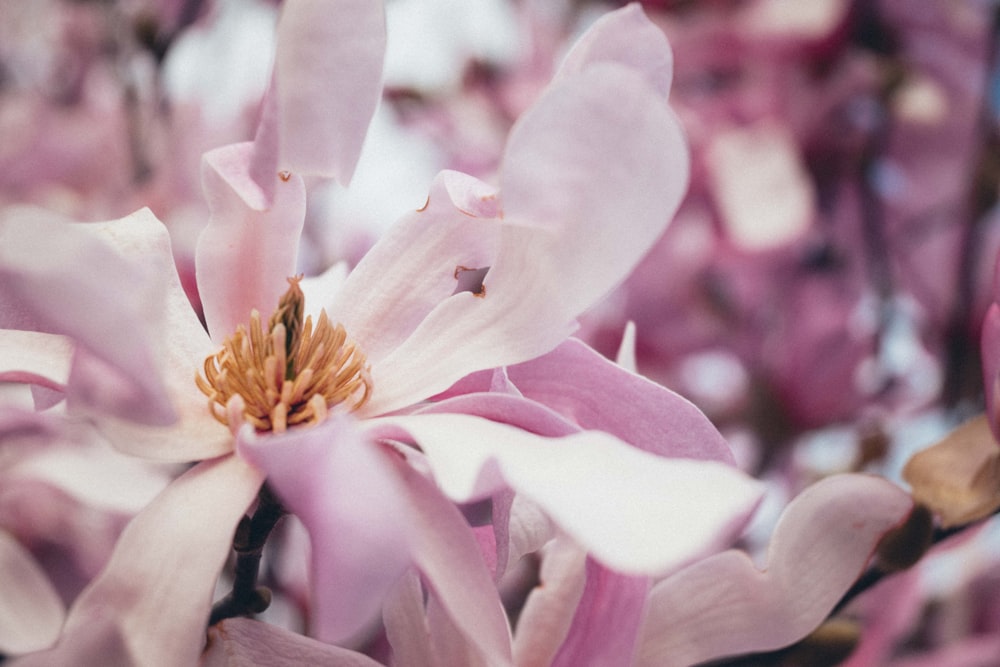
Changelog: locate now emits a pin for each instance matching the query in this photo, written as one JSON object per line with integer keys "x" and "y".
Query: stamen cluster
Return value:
{"x": 291, "y": 374}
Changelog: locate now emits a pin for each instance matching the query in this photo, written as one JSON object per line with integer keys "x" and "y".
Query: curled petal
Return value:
{"x": 369, "y": 517}
{"x": 591, "y": 391}
{"x": 348, "y": 497}
{"x": 69, "y": 279}
{"x": 249, "y": 247}
{"x": 31, "y": 613}
{"x": 723, "y": 605}
{"x": 149, "y": 605}
{"x": 548, "y": 612}
{"x": 606, "y": 625}
{"x": 35, "y": 358}
{"x": 603, "y": 493}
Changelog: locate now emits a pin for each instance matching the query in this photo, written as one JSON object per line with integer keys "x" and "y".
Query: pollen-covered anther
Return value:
{"x": 292, "y": 374}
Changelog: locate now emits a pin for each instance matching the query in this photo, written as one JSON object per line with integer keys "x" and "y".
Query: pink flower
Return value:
{"x": 479, "y": 278}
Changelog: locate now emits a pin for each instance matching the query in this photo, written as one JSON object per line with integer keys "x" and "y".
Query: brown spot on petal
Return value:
{"x": 959, "y": 477}
{"x": 284, "y": 175}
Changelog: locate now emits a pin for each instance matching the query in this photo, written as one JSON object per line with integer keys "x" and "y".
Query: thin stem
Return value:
{"x": 246, "y": 598}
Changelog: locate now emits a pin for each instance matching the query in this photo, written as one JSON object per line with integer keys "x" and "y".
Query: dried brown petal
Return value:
{"x": 959, "y": 477}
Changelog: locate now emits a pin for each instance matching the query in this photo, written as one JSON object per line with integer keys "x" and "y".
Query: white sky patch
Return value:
{"x": 430, "y": 41}
{"x": 392, "y": 178}
{"x": 225, "y": 64}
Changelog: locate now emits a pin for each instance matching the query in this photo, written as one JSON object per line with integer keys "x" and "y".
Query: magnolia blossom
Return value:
{"x": 481, "y": 277}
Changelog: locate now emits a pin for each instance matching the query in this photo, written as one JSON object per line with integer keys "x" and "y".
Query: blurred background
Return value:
{"x": 819, "y": 295}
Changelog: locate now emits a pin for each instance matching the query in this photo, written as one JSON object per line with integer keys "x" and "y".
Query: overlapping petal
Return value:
{"x": 57, "y": 276}
{"x": 564, "y": 188}
{"x": 32, "y": 357}
{"x": 597, "y": 394}
{"x": 342, "y": 488}
{"x": 370, "y": 517}
{"x": 149, "y": 605}
{"x": 723, "y": 605}
{"x": 414, "y": 267}
{"x": 250, "y": 244}
{"x": 31, "y": 613}
{"x": 605, "y": 628}
{"x": 583, "y": 481}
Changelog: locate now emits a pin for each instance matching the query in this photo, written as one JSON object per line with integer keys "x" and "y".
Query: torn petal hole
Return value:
{"x": 470, "y": 280}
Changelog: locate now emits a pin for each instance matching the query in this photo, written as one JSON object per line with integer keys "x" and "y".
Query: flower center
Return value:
{"x": 291, "y": 374}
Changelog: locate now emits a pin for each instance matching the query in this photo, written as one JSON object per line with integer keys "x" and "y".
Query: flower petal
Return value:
{"x": 723, "y": 605}
{"x": 31, "y": 613}
{"x": 627, "y": 37}
{"x": 959, "y": 476}
{"x": 564, "y": 187}
{"x": 406, "y": 624}
{"x": 242, "y": 642}
{"x": 66, "y": 279}
{"x": 602, "y": 492}
{"x": 250, "y": 245}
{"x": 606, "y": 625}
{"x": 545, "y": 620}
{"x": 328, "y": 70}
{"x": 35, "y": 358}
{"x": 412, "y": 268}
{"x": 449, "y": 558}
{"x": 349, "y": 498}
{"x": 149, "y": 605}
{"x": 597, "y": 394}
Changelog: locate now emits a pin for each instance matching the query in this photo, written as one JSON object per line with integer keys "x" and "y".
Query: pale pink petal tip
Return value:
{"x": 723, "y": 605}
{"x": 31, "y": 612}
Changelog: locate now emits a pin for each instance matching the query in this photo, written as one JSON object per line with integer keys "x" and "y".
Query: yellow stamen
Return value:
{"x": 291, "y": 374}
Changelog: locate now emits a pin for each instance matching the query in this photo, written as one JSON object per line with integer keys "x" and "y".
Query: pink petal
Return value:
{"x": 181, "y": 347}
{"x": 564, "y": 188}
{"x": 605, "y": 629}
{"x": 602, "y": 492}
{"x": 623, "y": 158}
{"x": 514, "y": 410}
{"x": 406, "y": 624}
{"x": 249, "y": 247}
{"x": 67, "y": 280}
{"x": 345, "y": 492}
{"x": 241, "y": 642}
{"x": 31, "y": 612}
{"x": 368, "y": 515}
{"x": 328, "y": 70}
{"x": 412, "y": 268}
{"x": 597, "y": 394}
{"x": 627, "y": 37}
{"x": 545, "y": 620}
{"x": 723, "y": 605}
{"x": 446, "y": 553}
{"x": 35, "y": 358}
{"x": 150, "y": 604}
